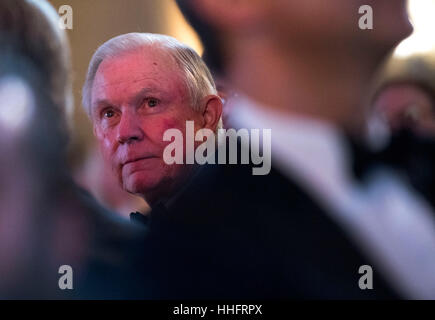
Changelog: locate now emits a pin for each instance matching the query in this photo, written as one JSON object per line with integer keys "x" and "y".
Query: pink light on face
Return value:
{"x": 135, "y": 98}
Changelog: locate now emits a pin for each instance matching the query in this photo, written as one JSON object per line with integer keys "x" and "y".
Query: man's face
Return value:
{"x": 406, "y": 106}
{"x": 135, "y": 98}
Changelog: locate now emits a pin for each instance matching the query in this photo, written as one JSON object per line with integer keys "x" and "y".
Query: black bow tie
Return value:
{"x": 139, "y": 218}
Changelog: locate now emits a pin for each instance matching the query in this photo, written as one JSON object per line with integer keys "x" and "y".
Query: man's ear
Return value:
{"x": 212, "y": 111}
{"x": 231, "y": 14}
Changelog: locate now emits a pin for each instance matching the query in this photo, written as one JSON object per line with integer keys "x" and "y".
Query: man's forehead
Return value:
{"x": 133, "y": 70}
{"x": 137, "y": 65}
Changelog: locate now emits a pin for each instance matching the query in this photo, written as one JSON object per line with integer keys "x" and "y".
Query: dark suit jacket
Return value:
{"x": 234, "y": 235}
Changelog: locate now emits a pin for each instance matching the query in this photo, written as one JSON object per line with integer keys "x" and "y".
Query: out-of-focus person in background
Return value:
{"x": 405, "y": 96}
{"x": 329, "y": 204}
{"x": 407, "y": 104}
{"x": 139, "y": 85}
{"x": 46, "y": 221}
{"x": 402, "y": 111}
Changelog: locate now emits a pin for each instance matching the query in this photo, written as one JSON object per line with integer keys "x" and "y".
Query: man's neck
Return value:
{"x": 170, "y": 195}
{"x": 331, "y": 86}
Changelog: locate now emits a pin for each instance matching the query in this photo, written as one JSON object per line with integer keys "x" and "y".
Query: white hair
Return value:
{"x": 198, "y": 79}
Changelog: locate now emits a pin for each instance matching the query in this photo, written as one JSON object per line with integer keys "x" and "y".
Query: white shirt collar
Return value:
{"x": 388, "y": 220}
{"x": 310, "y": 150}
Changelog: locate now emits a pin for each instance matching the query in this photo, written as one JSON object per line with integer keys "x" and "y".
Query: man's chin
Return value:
{"x": 140, "y": 188}
{"x": 143, "y": 187}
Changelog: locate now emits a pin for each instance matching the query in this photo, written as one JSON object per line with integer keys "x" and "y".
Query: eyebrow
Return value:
{"x": 138, "y": 97}
{"x": 101, "y": 103}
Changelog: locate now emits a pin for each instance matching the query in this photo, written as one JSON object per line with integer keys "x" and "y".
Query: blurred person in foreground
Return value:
{"x": 46, "y": 220}
{"x": 138, "y": 86}
{"x": 329, "y": 205}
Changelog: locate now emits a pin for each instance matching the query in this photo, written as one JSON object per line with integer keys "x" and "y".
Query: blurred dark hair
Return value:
{"x": 213, "y": 53}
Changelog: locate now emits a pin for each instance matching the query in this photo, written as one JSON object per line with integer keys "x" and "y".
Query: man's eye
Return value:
{"x": 108, "y": 114}
{"x": 151, "y": 102}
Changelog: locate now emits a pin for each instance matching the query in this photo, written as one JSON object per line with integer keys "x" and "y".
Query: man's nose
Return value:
{"x": 129, "y": 129}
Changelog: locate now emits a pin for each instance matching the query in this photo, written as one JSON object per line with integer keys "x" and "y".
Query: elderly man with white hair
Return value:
{"x": 138, "y": 86}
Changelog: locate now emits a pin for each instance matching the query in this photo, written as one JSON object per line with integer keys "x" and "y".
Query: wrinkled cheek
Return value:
{"x": 171, "y": 124}
{"x": 121, "y": 179}
{"x": 107, "y": 143}
{"x": 108, "y": 152}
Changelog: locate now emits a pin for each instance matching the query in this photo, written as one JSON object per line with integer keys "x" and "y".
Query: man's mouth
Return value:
{"x": 135, "y": 159}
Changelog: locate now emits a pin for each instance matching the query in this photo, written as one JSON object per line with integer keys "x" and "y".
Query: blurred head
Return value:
{"x": 31, "y": 140}
{"x": 137, "y": 87}
{"x": 310, "y": 24}
{"x": 33, "y": 26}
{"x": 35, "y": 53}
{"x": 407, "y": 105}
